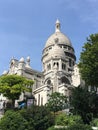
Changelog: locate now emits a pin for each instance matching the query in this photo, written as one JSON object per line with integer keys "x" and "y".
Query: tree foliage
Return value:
{"x": 32, "y": 118}
{"x": 57, "y": 102}
{"x": 73, "y": 127}
{"x": 67, "y": 120}
{"x": 84, "y": 103}
{"x": 11, "y": 86}
{"x": 79, "y": 127}
{"x": 14, "y": 121}
{"x": 89, "y": 61}
{"x": 38, "y": 116}
{"x": 94, "y": 122}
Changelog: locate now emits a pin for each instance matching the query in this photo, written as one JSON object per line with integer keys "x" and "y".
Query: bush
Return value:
{"x": 53, "y": 128}
{"x": 95, "y": 122}
{"x": 79, "y": 127}
{"x": 14, "y": 121}
{"x": 66, "y": 120}
{"x": 73, "y": 127}
{"x": 71, "y": 122}
{"x": 33, "y": 118}
{"x": 39, "y": 116}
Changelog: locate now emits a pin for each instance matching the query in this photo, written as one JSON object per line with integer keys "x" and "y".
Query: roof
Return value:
{"x": 58, "y": 37}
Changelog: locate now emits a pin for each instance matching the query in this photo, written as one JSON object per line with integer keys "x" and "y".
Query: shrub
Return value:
{"x": 66, "y": 120}
{"x": 39, "y": 116}
{"x": 14, "y": 121}
{"x": 73, "y": 127}
{"x": 79, "y": 127}
{"x": 53, "y": 128}
{"x": 95, "y": 122}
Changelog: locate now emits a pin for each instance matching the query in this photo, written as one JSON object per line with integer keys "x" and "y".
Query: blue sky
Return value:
{"x": 25, "y": 26}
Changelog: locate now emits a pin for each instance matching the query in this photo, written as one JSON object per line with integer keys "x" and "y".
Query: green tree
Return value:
{"x": 89, "y": 61}
{"x": 38, "y": 116}
{"x": 14, "y": 121}
{"x": 79, "y": 127}
{"x": 67, "y": 120}
{"x": 57, "y": 102}
{"x": 84, "y": 103}
{"x": 11, "y": 86}
{"x": 94, "y": 122}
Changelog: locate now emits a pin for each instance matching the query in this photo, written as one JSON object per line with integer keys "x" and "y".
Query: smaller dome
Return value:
{"x": 21, "y": 59}
{"x": 28, "y": 59}
{"x": 28, "y": 62}
{"x": 56, "y": 51}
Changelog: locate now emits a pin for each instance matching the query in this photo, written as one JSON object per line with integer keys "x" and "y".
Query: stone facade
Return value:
{"x": 60, "y": 72}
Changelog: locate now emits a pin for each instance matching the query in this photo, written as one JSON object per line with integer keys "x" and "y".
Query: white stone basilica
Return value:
{"x": 60, "y": 72}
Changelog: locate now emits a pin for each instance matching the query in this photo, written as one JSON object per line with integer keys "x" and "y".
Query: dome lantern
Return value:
{"x": 57, "y": 26}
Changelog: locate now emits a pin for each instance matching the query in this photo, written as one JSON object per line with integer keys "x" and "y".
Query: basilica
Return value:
{"x": 59, "y": 69}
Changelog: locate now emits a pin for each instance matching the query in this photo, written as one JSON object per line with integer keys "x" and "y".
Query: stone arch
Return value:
{"x": 49, "y": 66}
{"x": 65, "y": 80}
{"x": 56, "y": 63}
{"x": 48, "y": 81}
{"x": 63, "y": 66}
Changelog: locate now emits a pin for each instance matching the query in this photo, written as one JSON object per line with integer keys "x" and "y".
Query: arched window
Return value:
{"x": 48, "y": 67}
{"x": 63, "y": 66}
{"x": 49, "y": 82}
{"x": 65, "y": 80}
{"x": 70, "y": 63}
{"x": 56, "y": 63}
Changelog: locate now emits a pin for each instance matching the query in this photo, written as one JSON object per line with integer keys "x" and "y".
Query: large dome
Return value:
{"x": 62, "y": 39}
{"x": 58, "y": 37}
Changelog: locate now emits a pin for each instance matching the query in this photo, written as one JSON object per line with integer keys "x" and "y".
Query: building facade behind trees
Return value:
{"x": 59, "y": 69}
